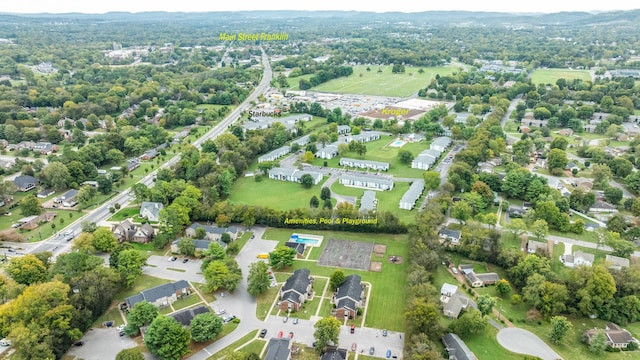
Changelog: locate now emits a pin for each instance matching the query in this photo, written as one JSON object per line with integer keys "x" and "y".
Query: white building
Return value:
{"x": 328, "y": 152}
{"x": 367, "y": 182}
{"x": 275, "y": 154}
{"x": 412, "y": 195}
{"x": 293, "y": 175}
{"x": 441, "y": 143}
{"x": 365, "y": 164}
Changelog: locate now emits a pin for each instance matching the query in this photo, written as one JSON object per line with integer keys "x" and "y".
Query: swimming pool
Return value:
{"x": 310, "y": 240}
{"x": 397, "y": 143}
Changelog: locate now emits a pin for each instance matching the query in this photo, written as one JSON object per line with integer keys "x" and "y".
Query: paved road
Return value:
{"x": 101, "y": 344}
{"x": 525, "y": 342}
{"x": 28, "y": 159}
{"x": 124, "y": 198}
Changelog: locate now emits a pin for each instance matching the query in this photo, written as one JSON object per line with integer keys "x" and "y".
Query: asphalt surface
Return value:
{"x": 101, "y": 344}
{"x": 525, "y": 342}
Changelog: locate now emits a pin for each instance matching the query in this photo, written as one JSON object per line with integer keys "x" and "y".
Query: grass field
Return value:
{"x": 388, "y": 286}
{"x": 282, "y": 195}
{"x": 550, "y": 76}
{"x": 387, "y": 200}
{"x": 231, "y": 348}
{"x": 384, "y": 83}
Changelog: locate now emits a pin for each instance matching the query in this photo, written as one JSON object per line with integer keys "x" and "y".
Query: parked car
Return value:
{"x": 372, "y": 350}
{"x": 263, "y": 333}
{"x": 5, "y": 342}
{"x": 221, "y": 312}
{"x": 185, "y": 260}
{"x": 286, "y": 318}
{"x": 280, "y": 333}
{"x": 120, "y": 327}
{"x": 295, "y": 321}
{"x": 388, "y": 353}
{"x": 354, "y": 346}
{"x": 384, "y": 332}
{"x": 173, "y": 258}
{"x": 79, "y": 343}
{"x": 290, "y": 334}
{"x": 454, "y": 270}
{"x": 353, "y": 329}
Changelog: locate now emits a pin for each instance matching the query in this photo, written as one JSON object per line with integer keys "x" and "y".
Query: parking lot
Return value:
{"x": 160, "y": 266}
{"x": 101, "y": 344}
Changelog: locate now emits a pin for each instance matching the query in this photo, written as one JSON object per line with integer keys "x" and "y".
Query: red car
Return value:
{"x": 291, "y": 335}
{"x": 354, "y": 346}
{"x": 280, "y": 334}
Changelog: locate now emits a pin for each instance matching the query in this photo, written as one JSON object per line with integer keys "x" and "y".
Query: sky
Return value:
{"x": 102, "y": 6}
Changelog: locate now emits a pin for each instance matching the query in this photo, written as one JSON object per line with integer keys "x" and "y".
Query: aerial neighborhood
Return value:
{"x": 254, "y": 185}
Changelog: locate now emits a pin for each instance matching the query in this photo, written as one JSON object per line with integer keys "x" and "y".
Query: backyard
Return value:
{"x": 281, "y": 195}
{"x": 550, "y": 76}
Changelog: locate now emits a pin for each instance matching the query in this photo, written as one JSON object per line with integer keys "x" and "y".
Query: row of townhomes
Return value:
{"x": 293, "y": 175}
{"x": 427, "y": 158}
{"x": 364, "y": 164}
{"x": 263, "y": 122}
{"x": 331, "y": 150}
{"x": 412, "y": 195}
{"x": 275, "y": 154}
{"x": 373, "y": 182}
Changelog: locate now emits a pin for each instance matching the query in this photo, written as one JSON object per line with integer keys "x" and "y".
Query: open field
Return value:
{"x": 282, "y": 195}
{"x": 550, "y": 76}
{"x": 388, "y": 286}
{"x": 384, "y": 83}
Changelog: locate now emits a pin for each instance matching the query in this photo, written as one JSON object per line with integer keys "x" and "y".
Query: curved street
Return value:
{"x": 525, "y": 342}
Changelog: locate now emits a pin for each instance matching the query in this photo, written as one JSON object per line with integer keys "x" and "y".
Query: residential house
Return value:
{"x": 293, "y": 175}
{"x": 477, "y": 280}
{"x": 453, "y": 302}
{"x": 617, "y": 337}
{"x": 533, "y": 123}
{"x": 368, "y": 201}
{"x": 6, "y": 164}
{"x": 590, "y": 128}
{"x": 366, "y": 181}
{"x": 571, "y": 165}
{"x": 585, "y": 184}
{"x": 412, "y": 195}
{"x": 275, "y": 154}
{"x": 132, "y": 164}
{"x": 179, "y": 136}
{"x": 537, "y": 247}
{"x": 124, "y": 231}
{"x": 602, "y": 207}
{"x": 161, "y": 295}
{"x": 297, "y": 246}
{"x": 591, "y": 226}
{"x": 328, "y": 151}
{"x": 278, "y": 349}
{"x": 25, "y": 182}
{"x": 452, "y": 236}
{"x": 150, "y": 210}
{"x": 296, "y": 290}
{"x": 344, "y": 129}
{"x": 365, "y": 164}
{"x": 456, "y": 348}
{"x": 45, "y": 193}
{"x": 212, "y": 232}
{"x": 200, "y": 245}
{"x": 37, "y": 220}
{"x": 68, "y": 199}
{"x": 44, "y": 148}
{"x": 334, "y": 354}
{"x": 577, "y": 259}
{"x": 349, "y": 297}
{"x": 616, "y": 262}
{"x": 422, "y": 162}
{"x": 622, "y": 137}
{"x": 565, "y": 132}
{"x": 24, "y": 145}
{"x": 149, "y": 154}
{"x": 303, "y": 141}
{"x": 143, "y": 234}
{"x": 185, "y": 316}
{"x": 440, "y": 143}
{"x": 484, "y": 167}
{"x": 448, "y": 290}
{"x": 365, "y": 136}
{"x": 516, "y": 211}
{"x": 524, "y": 129}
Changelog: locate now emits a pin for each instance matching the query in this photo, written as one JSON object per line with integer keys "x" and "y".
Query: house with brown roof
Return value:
{"x": 128, "y": 231}
{"x": 617, "y": 337}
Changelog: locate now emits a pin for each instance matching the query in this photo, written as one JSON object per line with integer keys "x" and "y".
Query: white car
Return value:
{"x": 120, "y": 327}
{"x": 5, "y": 342}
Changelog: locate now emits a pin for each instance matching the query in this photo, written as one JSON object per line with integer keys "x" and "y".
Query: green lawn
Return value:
{"x": 186, "y": 302}
{"x": 294, "y": 83}
{"x": 384, "y": 83}
{"x": 62, "y": 219}
{"x": 243, "y": 240}
{"x": 388, "y": 286}
{"x": 220, "y": 354}
{"x": 112, "y": 314}
{"x": 264, "y": 302}
{"x": 550, "y": 76}
{"x": 380, "y": 151}
{"x": 485, "y": 346}
{"x": 125, "y": 213}
{"x": 269, "y": 193}
{"x": 255, "y": 346}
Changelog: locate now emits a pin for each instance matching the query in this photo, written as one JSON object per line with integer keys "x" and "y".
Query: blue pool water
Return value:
{"x": 306, "y": 241}
{"x": 398, "y": 143}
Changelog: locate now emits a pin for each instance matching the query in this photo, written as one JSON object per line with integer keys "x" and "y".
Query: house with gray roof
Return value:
{"x": 275, "y": 154}
{"x": 452, "y": 305}
{"x": 364, "y": 164}
{"x": 44, "y": 148}
{"x": 328, "y": 151}
{"x": 578, "y": 258}
{"x": 161, "y": 295}
{"x": 7, "y": 164}
{"x": 368, "y": 201}
{"x": 213, "y": 233}
{"x": 537, "y": 246}
{"x": 278, "y": 349}
{"x": 616, "y": 262}
{"x": 293, "y": 175}
{"x": 344, "y": 129}
{"x": 349, "y": 297}
{"x": 412, "y": 195}
{"x": 303, "y": 141}
{"x": 456, "y": 348}
{"x": 334, "y": 354}
{"x": 150, "y": 210}
{"x": 200, "y": 244}
{"x": 25, "y": 182}
{"x": 365, "y": 136}
{"x": 296, "y": 290}
{"x": 600, "y": 206}
{"x": 67, "y": 199}
{"x": 440, "y": 143}
{"x": 422, "y": 162}
{"x": 185, "y": 316}
{"x": 366, "y": 181}
{"x": 453, "y": 236}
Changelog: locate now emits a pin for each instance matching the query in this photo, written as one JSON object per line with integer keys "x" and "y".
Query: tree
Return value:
{"x": 325, "y": 193}
{"x": 306, "y": 180}
{"x": 557, "y": 159}
{"x": 336, "y": 279}
{"x": 225, "y": 238}
{"x": 130, "y": 354}
{"x": 86, "y": 194}
{"x": 461, "y": 210}
{"x": 559, "y": 143}
{"x": 503, "y": 287}
{"x": 167, "y": 338}
{"x": 621, "y": 247}
{"x": 187, "y": 246}
{"x": 223, "y": 274}
{"x": 205, "y": 327}
{"x": 423, "y": 316}
{"x": 105, "y": 185}
{"x": 601, "y": 175}
{"x": 308, "y": 157}
{"x": 104, "y": 240}
{"x": 130, "y": 264}
{"x": 258, "y": 279}
{"x": 560, "y": 327}
{"x": 30, "y": 205}
{"x": 57, "y": 175}
{"x": 141, "y": 314}
{"x": 613, "y": 195}
{"x": 27, "y": 270}
{"x": 431, "y": 179}
{"x": 549, "y": 298}
{"x": 327, "y": 332}
{"x": 281, "y": 257}
{"x": 471, "y": 322}
{"x": 405, "y": 156}
{"x": 516, "y": 227}
{"x": 486, "y": 304}
{"x": 314, "y": 202}
{"x": 540, "y": 229}
{"x": 598, "y": 342}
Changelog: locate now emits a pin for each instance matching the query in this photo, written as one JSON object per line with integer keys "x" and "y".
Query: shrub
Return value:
{"x": 236, "y": 321}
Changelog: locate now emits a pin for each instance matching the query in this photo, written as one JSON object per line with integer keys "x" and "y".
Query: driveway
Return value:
{"x": 101, "y": 344}
{"x": 525, "y": 342}
{"x": 160, "y": 267}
